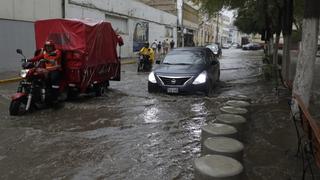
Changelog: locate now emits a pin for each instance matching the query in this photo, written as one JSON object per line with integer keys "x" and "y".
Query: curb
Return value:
{"x": 129, "y": 62}
{"x": 18, "y": 78}
{"x": 10, "y": 80}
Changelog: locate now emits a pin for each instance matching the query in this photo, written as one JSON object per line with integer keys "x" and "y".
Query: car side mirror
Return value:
{"x": 19, "y": 51}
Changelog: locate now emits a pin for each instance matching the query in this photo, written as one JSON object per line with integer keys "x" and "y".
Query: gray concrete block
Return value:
{"x": 236, "y": 103}
{"x": 218, "y": 129}
{"x": 223, "y": 146}
{"x": 234, "y": 110}
{"x": 232, "y": 119}
{"x": 217, "y": 167}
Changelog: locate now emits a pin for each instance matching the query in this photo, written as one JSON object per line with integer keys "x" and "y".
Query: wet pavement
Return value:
{"x": 131, "y": 134}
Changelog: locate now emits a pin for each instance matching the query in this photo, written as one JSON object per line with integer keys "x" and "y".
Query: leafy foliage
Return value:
{"x": 254, "y": 16}
{"x": 213, "y": 6}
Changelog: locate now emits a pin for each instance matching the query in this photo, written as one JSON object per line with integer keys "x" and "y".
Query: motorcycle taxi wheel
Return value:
{"x": 18, "y": 107}
{"x": 99, "y": 90}
{"x": 140, "y": 67}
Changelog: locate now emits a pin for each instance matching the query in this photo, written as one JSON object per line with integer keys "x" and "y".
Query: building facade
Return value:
{"x": 16, "y": 22}
{"x": 190, "y": 17}
{"x": 136, "y": 22}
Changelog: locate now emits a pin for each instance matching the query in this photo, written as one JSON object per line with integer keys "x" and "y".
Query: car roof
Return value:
{"x": 191, "y": 49}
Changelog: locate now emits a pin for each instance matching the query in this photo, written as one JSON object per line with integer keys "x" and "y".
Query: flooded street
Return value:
{"x": 129, "y": 133}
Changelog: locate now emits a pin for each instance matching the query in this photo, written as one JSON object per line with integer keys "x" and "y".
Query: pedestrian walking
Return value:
{"x": 159, "y": 47}
{"x": 172, "y": 44}
{"x": 154, "y": 45}
{"x": 165, "y": 45}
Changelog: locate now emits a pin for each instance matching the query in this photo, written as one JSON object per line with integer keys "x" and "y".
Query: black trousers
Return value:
{"x": 55, "y": 77}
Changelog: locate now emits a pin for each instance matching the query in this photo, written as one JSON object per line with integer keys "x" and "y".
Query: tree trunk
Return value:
{"x": 306, "y": 60}
{"x": 271, "y": 46}
{"x": 286, "y": 57}
{"x": 275, "y": 50}
{"x": 307, "y": 55}
{"x": 287, "y": 22}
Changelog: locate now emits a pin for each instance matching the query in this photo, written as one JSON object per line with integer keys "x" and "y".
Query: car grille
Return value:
{"x": 178, "y": 81}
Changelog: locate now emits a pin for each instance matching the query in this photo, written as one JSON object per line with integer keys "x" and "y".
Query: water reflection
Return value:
{"x": 199, "y": 109}
{"x": 199, "y": 112}
{"x": 150, "y": 115}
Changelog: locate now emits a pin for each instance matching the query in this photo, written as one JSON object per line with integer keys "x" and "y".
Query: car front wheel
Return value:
{"x": 152, "y": 88}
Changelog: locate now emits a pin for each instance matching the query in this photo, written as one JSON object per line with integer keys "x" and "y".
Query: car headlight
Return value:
{"x": 24, "y": 72}
{"x": 215, "y": 52}
{"x": 202, "y": 78}
{"x": 152, "y": 78}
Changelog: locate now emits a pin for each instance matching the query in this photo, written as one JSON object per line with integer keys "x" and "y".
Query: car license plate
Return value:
{"x": 172, "y": 90}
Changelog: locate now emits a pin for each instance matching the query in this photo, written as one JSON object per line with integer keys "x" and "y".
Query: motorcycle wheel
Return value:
{"x": 140, "y": 67}
{"x": 18, "y": 107}
{"x": 99, "y": 90}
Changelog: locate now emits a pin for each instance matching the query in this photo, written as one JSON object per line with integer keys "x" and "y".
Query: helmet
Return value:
{"x": 146, "y": 44}
{"x": 49, "y": 46}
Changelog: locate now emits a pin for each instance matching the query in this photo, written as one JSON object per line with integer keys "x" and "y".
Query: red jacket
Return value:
{"x": 53, "y": 57}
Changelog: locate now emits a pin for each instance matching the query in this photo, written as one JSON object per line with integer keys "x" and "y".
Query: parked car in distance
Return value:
{"x": 186, "y": 70}
{"x": 251, "y": 46}
{"x": 215, "y": 48}
{"x": 226, "y": 46}
{"x": 235, "y": 45}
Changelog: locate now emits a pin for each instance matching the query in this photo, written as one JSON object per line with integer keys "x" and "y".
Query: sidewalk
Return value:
{"x": 11, "y": 76}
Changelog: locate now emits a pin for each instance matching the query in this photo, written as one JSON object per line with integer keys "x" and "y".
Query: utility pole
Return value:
{"x": 217, "y": 28}
{"x": 180, "y": 37}
{"x": 63, "y": 4}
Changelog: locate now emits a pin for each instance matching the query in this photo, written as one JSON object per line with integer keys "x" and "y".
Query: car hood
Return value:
{"x": 193, "y": 69}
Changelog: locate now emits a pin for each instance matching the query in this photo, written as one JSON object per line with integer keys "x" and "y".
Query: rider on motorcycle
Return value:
{"x": 148, "y": 52}
{"x": 52, "y": 58}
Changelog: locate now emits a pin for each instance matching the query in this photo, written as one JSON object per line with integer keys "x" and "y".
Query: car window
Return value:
{"x": 184, "y": 57}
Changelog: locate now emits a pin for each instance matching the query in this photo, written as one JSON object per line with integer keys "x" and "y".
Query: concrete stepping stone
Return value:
{"x": 217, "y": 167}
{"x": 223, "y": 146}
{"x": 234, "y": 110}
{"x": 234, "y": 120}
{"x": 236, "y": 103}
{"x": 218, "y": 129}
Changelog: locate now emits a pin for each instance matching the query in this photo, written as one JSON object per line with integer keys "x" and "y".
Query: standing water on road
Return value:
{"x": 125, "y": 134}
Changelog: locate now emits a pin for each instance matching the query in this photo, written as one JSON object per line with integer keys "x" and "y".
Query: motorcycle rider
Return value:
{"x": 147, "y": 51}
{"x": 52, "y": 57}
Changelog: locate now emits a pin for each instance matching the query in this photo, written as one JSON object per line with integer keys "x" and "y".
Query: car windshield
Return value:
{"x": 184, "y": 58}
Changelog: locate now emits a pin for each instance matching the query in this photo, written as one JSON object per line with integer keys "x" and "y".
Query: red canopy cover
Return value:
{"x": 96, "y": 40}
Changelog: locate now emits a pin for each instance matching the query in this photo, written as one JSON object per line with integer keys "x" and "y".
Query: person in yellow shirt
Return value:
{"x": 147, "y": 51}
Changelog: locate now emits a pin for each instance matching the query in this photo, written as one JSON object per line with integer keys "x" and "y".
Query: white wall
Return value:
{"x": 130, "y": 11}
{"x": 17, "y": 28}
{"x": 15, "y": 35}
{"x": 30, "y": 10}
{"x": 119, "y": 11}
